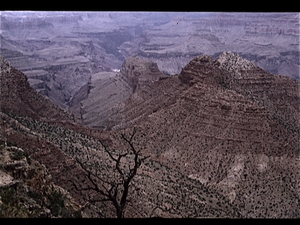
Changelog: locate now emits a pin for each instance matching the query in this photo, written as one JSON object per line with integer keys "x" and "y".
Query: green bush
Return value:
{"x": 36, "y": 197}
{"x": 11, "y": 206}
{"x": 57, "y": 206}
{"x": 8, "y": 195}
{"x": 17, "y": 155}
{"x": 56, "y": 203}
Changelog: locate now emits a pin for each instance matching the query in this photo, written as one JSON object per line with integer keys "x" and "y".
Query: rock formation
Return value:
{"x": 271, "y": 40}
{"x": 222, "y": 136}
{"x": 278, "y": 94}
{"x": 60, "y": 51}
{"x": 156, "y": 191}
{"x": 227, "y": 124}
{"x": 140, "y": 72}
{"x": 93, "y": 102}
{"x": 18, "y": 97}
{"x": 27, "y": 189}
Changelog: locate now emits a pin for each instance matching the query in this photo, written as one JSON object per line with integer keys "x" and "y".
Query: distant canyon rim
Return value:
{"x": 61, "y": 51}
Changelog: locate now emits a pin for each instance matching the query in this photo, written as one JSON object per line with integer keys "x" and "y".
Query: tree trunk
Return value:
{"x": 120, "y": 212}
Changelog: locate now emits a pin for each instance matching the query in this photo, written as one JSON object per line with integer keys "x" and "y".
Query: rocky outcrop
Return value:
{"x": 94, "y": 101}
{"x": 170, "y": 62}
{"x": 64, "y": 49}
{"x": 234, "y": 64}
{"x": 278, "y": 94}
{"x": 27, "y": 189}
{"x": 18, "y": 97}
{"x": 227, "y": 124}
{"x": 159, "y": 190}
{"x": 260, "y": 37}
{"x": 216, "y": 149}
{"x": 140, "y": 72}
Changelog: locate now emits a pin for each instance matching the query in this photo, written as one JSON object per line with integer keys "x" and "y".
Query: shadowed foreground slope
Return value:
{"x": 157, "y": 190}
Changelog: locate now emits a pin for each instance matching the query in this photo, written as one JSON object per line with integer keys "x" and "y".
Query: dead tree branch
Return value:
{"x": 114, "y": 191}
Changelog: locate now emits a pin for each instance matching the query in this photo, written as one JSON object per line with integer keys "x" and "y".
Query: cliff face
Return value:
{"x": 55, "y": 143}
{"x": 140, "y": 72}
{"x": 34, "y": 192}
{"x": 278, "y": 94}
{"x": 271, "y": 40}
{"x": 18, "y": 97}
{"x": 60, "y": 51}
{"x": 93, "y": 102}
{"x": 228, "y": 124}
{"x": 222, "y": 139}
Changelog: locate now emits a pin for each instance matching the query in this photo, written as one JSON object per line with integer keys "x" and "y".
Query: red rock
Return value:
{"x": 214, "y": 121}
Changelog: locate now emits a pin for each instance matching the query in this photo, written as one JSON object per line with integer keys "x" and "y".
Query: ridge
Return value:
{"x": 227, "y": 124}
{"x": 276, "y": 93}
{"x": 94, "y": 100}
{"x": 56, "y": 146}
{"x": 140, "y": 72}
{"x": 218, "y": 143}
{"x": 18, "y": 97}
{"x": 233, "y": 63}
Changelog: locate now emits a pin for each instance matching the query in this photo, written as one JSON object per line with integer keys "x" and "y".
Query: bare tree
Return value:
{"x": 116, "y": 190}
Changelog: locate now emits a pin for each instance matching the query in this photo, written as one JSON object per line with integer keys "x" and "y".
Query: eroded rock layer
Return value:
{"x": 155, "y": 191}
{"x": 18, "y": 97}
{"x": 222, "y": 137}
{"x": 228, "y": 124}
{"x": 94, "y": 101}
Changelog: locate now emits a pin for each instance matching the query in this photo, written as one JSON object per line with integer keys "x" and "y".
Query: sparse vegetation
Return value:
{"x": 11, "y": 204}
{"x": 25, "y": 192}
{"x": 115, "y": 190}
{"x": 214, "y": 151}
{"x": 57, "y": 204}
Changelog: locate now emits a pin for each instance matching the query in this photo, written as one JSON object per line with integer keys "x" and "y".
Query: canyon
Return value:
{"x": 213, "y": 97}
{"x": 60, "y": 51}
{"x": 56, "y": 143}
{"x": 225, "y": 123}
{"x": 216, "y": 149}
{"x": 94, "y": 101}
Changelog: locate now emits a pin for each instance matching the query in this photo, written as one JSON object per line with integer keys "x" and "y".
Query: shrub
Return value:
{"x": 56, "y": 203}
{"x": 36, "y": 196}
{"x": 27, "y": 158}
{"x": 17, "y": 155}
{"x": 57, "y": 206}
{"x": 10, "y": 206}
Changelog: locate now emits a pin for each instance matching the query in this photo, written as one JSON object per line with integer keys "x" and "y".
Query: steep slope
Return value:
{"x": 18, "y": 97}
{"x": 98, "y": 96}
{"x": 156, "y": 190}
{"x": 27, "y": 189}
{"x": 93, "y": 102}
{"x": 59, "y": 51}
{"x": 159, "y": 190}
{"x": 140, "y": 72}
{"x": 216, "y": 151}
{"x": 19, "y": 100}
{"x": 227, "y": 124}
{"x": 278, "y": 94}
